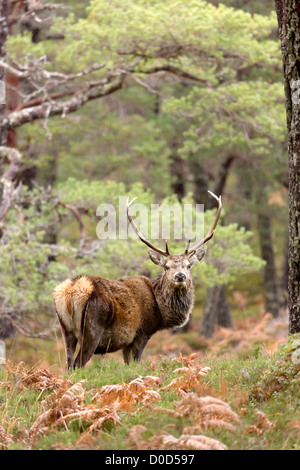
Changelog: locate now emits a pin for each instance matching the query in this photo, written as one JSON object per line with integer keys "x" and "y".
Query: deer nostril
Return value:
{"x": 180, "y": 277}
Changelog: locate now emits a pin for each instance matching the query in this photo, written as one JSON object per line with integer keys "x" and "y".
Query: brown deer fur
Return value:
{"x": 104, "y": 315}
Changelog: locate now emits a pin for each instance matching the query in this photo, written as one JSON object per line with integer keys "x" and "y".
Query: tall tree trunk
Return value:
{"x": 8, "y": 176}
{"x": 3, "y": 36}
{"x": 200, "y": 182}
{"x": 177, "y": 171}
{"x": 5, "y": 326}
{"x": 222, "y": 176}
{"x": 216, "y": 311}
{"x": 283, "y": 285}
{"x": 288, "y": 14}
{"x": 267, "y": 253}
{"x": 245, "y": 191}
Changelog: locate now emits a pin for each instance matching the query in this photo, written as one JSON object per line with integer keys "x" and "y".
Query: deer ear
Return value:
{"x": 196, "y": 257}
{"x": 156, "y": 258}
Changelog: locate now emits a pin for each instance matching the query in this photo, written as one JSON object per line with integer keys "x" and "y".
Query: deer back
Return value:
{"x": 123, "y": 306}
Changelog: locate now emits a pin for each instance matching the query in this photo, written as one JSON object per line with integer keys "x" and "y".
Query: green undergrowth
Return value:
{"x": 259, "y": 385}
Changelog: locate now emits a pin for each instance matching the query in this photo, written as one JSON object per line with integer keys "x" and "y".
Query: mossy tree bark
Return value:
{"x": 288, "y": 13}
{"x": 3, "y": 36}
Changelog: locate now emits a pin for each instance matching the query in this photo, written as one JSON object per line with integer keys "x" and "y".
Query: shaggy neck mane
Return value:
{"x": 175, "y": 303}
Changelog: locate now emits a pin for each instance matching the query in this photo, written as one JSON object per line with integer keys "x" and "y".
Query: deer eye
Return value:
{"x": 167, "y": 267}
{"x": 189, "y": 266}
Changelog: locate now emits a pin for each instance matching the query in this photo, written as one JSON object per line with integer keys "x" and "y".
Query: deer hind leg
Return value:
{"x": 70, "y": 341}
{"x": 89, "y": 342}
{"x": 94, "y": 319}
{"x": 91, "y": 336}
{"x": 127, "y": 353}
{"x": 139, "y": 346}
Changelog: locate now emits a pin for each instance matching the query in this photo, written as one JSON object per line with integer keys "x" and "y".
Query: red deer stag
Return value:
{"x": 104, "y": 315}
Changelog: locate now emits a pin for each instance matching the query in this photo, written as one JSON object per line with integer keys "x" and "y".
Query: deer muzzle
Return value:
{"x": 180, "y": 277}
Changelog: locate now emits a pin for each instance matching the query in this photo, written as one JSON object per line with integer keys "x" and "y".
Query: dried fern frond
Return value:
{"x": 128, "y": 395}
{"x": 151, "y": 380}
{"x": 190, "y": 378}
{"x": 188, "y": 360}
{"x": 56, "y": 407}
{"x": 205, "y": 412}
{"x": 261, "y": 425}
{"x": 91, "y": 413}
{"x": 295, "y": 426}
{"x": 202, "y": 407}
{"x": 68, "y": 405}
{"x": 199, "y": 442}
{"x": 5, "y": 439}
{"x": 210, "y": 424}
{"x": 263, "y": 420}
{"x": 34, "y": 378}
{"x": 163, "y": 440}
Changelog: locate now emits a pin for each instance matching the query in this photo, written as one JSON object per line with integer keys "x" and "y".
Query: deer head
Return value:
{"x": 177, "y": 268}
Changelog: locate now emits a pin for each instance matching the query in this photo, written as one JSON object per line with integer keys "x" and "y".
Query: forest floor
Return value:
{"x": 239, "y": 390}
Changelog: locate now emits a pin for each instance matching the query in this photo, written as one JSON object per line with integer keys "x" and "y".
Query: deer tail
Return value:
{"x": 72, "y": 295}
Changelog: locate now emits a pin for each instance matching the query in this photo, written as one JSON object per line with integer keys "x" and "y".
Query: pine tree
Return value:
{"x": 288, "y": 13}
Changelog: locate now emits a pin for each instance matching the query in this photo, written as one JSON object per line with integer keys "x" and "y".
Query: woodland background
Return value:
{"x": 171, "y": 99}
{"x": 160, "y": 100}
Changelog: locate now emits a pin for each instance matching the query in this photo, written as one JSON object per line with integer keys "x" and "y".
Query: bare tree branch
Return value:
{"x": 11, "y": 154}
{"x": 9, "y": 187}
{"x": 76, "y": 214}
{"x": 48, "y": 105}
{"x": 20, "y": 327}
{"x": 47, "y": 109}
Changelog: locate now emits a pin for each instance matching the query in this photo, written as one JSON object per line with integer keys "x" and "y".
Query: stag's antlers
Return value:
{"x": 188, "y": 251}
{"x": 210, "y": 233}
{"x": 141, "y": 236}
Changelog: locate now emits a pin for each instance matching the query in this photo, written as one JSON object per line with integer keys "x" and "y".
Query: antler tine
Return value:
{"x": 140, "y": 235}
{"x": 210, "y": 233}
{"x": 187, "y": 247}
